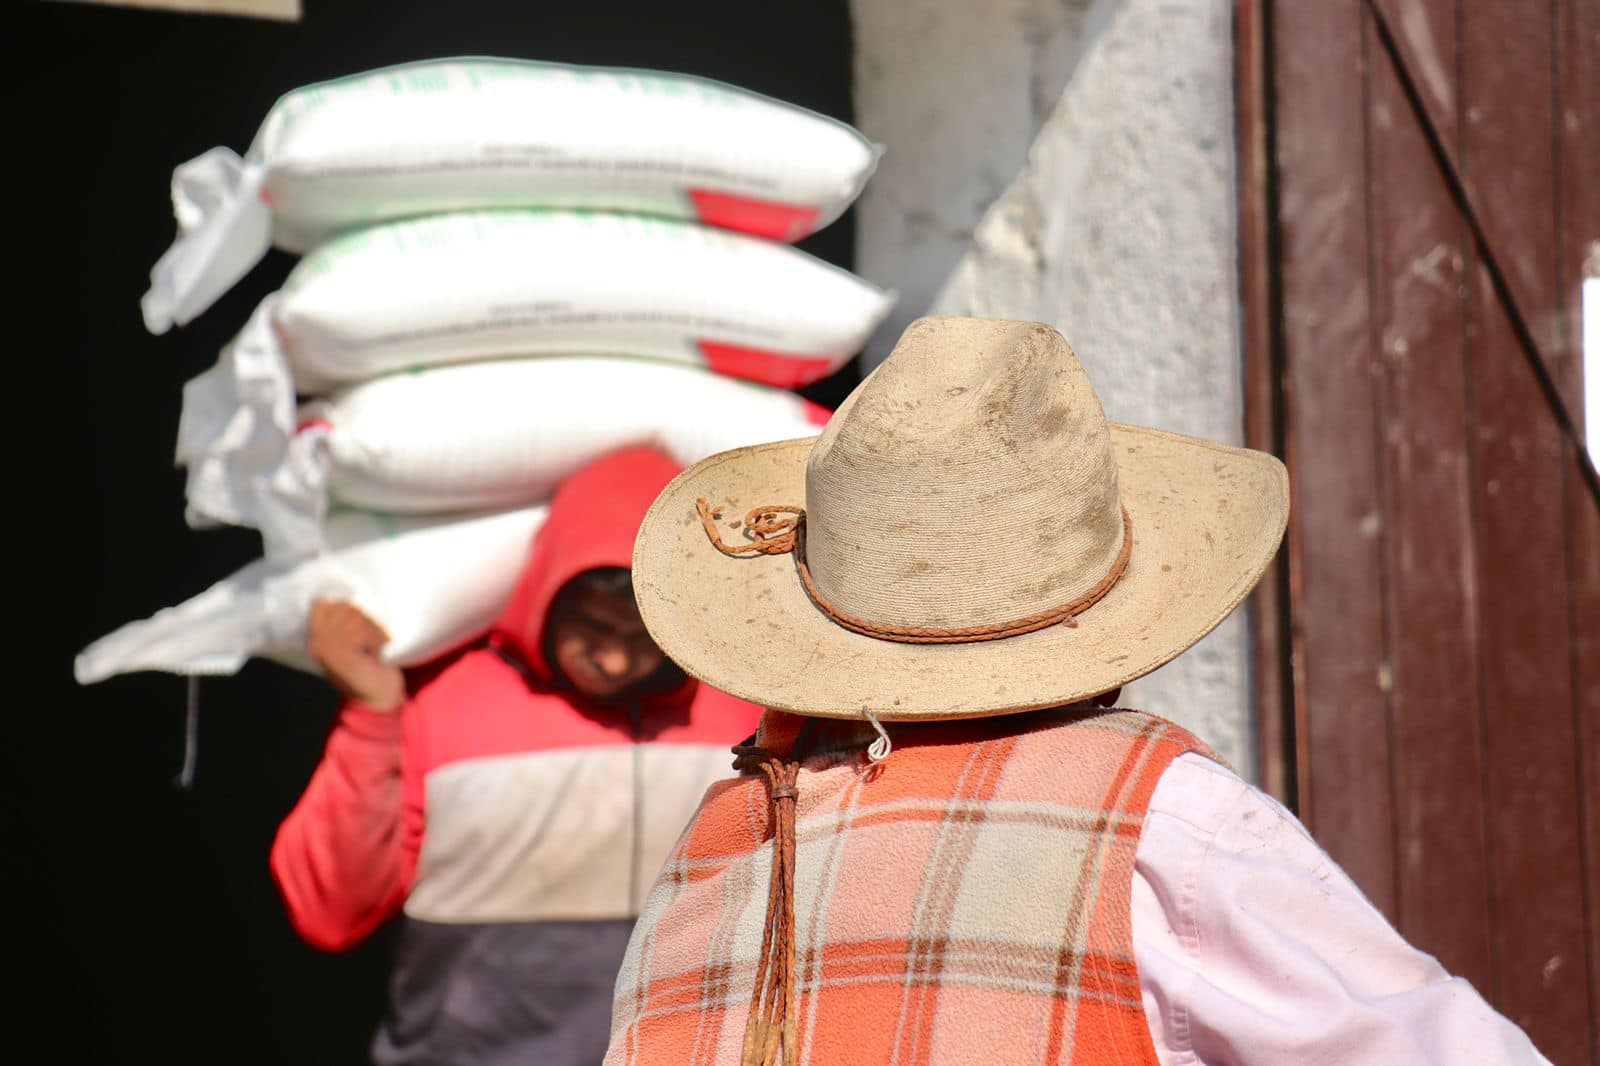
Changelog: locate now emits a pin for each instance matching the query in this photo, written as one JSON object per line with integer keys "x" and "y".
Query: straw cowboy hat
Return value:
{"x": 968, "y": 536}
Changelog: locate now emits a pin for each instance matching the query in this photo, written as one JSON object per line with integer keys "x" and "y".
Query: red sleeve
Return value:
{"x": 345, "y": 856}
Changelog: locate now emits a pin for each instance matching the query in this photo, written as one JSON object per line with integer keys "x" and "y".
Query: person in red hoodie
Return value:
{"x": 514, "y": 801}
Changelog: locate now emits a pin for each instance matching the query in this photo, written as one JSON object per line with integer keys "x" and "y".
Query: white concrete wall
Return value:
{"x": 1115, "y": 224}
{"x": 956, "y": 90}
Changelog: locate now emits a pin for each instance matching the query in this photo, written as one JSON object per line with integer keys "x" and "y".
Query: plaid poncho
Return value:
{"x": 967, "y": 900}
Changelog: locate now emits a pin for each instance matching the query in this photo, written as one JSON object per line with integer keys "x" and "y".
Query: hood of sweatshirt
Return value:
{"x": 593, "y": 520}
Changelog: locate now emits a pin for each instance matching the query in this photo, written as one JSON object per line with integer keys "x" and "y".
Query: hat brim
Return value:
{"x": 1207, "y": 520}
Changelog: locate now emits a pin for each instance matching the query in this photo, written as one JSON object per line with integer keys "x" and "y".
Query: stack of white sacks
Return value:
{"x": 510, "y": 269}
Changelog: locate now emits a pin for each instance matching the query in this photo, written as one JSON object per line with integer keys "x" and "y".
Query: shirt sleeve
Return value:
{"x": 345, "y": 856}
{"x": 1254, "y": 947}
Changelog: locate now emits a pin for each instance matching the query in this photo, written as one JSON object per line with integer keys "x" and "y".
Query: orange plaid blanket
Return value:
{"x": 967, "y": 900}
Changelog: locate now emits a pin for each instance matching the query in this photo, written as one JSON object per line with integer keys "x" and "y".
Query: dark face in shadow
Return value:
{"x": 596, "y": 641}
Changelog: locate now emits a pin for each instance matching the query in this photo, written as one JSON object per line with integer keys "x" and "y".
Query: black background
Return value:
{"x": 143, "y": 918}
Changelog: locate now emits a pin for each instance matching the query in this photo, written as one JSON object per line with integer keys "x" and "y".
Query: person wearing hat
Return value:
{"x": 943, "y": 846}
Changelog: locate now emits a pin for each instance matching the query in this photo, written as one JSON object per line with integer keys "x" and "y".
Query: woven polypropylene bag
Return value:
{"x": 474, "y": 285}
{"x": 453, "y": 438}
{"x": 463, "y": 133}
{"x": 432, "y": 582}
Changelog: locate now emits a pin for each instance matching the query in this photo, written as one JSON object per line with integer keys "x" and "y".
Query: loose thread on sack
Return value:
{"x": 191, "y": 735}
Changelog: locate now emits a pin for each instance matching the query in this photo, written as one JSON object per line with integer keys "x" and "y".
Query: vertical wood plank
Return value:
{"x": 1433, "y": 606}
{"x": 1575, "y": 42}
{"x": 1509, "y": 149}
{"x": 1536, "y": 864}
{"x": 1583, "y": 525}
{"x": 1496, "y": 206}
{"x": 1336, "y": 573}
{"x": 1427, "y": 33}
{"x": 1268, "y": 604}
{"x": 1575, "y": 39}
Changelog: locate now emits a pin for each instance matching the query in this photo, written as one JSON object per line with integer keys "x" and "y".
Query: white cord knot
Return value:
{"x": 879, "y": 749}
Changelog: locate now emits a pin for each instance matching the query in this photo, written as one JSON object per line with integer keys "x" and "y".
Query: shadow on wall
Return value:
{"x": 957, "y": 92}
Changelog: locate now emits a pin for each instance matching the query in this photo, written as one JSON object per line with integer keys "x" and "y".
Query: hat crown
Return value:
{"x": 969, "y": 481}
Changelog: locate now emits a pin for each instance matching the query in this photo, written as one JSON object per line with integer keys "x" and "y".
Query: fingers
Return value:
{"x": 348, "y": 646}
{"x": 337, "y": 631}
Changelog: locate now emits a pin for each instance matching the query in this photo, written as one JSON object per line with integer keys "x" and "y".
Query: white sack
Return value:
{"x": 432, "y": 583}
{"x": 455, "y": 134}
{"x": 453, "y": 438}
{"x": 473, "y": 285}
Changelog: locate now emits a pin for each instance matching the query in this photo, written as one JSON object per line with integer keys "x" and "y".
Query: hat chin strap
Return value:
{"x": 771, "y": 1023}
{"x": 880, "y": 748}
{"x": 780, "y": 529}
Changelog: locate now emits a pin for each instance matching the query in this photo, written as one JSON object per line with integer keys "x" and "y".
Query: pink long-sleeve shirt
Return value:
{"x": 345, "y": 860}
{"x": 1254, "y": 947}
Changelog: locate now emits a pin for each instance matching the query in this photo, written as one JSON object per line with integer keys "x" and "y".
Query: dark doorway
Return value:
{"x": 149, "y": 922}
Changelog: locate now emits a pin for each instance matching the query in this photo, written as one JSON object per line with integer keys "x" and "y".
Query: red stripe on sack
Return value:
{"x": 314, "y": 423}
{"x": 817, "y": 414}
{"x": 783, "y": 369}
{"x": 764, "y": 218}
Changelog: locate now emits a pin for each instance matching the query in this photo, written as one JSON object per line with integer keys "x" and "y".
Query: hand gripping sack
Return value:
{"x": 473, "y": 285}
{"x": 433, "y": 583}
{"x": 465, "y": 133}
{"x": 470, "y": 436}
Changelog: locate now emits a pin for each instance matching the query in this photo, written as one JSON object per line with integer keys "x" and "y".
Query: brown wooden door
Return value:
{"x": 1431, "y": 651}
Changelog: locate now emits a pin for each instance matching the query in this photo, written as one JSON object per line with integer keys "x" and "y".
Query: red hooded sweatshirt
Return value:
{"x": 517, "y": 826}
